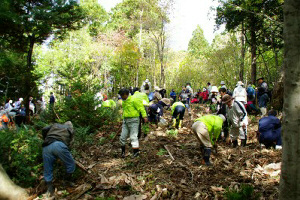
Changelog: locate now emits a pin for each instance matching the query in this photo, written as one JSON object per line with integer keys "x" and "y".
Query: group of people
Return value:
{"x": 142, "y": 105}
{"x": 16, "y": 111}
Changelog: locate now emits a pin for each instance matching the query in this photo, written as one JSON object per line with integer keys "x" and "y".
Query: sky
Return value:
{"x": 185, "y": 17}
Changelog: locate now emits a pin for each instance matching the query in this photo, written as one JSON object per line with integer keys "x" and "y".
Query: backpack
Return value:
{"x": 184, "y": 97}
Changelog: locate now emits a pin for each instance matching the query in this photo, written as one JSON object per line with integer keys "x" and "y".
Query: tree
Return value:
{"x": 290, "y": 176}
{"x": 26, "y": 23}
{"x": 256, "y": 19}
{"x": 198, "y": 45}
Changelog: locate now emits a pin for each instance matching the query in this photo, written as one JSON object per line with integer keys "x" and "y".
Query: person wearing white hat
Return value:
{"x": 223, "y": 84}
{"x": 239, "y": 93}
{"x": 146, "y": 86}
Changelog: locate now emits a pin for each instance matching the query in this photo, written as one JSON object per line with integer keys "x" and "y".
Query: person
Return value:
{"x": 132, "y": 107}
{"x": 109, "y": 104}
{"x": 209, "y": 87}
{"x": 237, "y": 119}
{"x": 250, "y": 93}
{"x": 57, "y": 141}
{"x": 222, "y": 111}
{"x": 214, "y": 98}
{"x": 270, "y": 130}
{"x": 145, "y": 101}
{"x": 204, "y": 95}
{"x": 223, "y": 85}
{"x": 177, "y": 111}
{"x": 20, "y": 117}
{"x": 157, "y": 96}
{"x": 163, "y": 92}
{"x": 239, "y": 93}
{"x": 207, "y": 130}
{"x": 52, "y": 99}
{"x": 173, "y": 95}
{"x": 40, "y": 105}
{"x": 8, "y": 107}
{"x": 184, "y": 98}
{"x": 262, "y": 95}
{"x": 156, "y": 110}
{"x": 190, "y": 90}
{"x": 17, "y": 104}
{"x": 146, "y": 86}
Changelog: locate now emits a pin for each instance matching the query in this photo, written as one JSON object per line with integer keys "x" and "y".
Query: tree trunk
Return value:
{"x": 290, "y": 176}
{"x": 241, "y": 73}
{"x": 28, "y": 77}
{"x": 253, "y": 53}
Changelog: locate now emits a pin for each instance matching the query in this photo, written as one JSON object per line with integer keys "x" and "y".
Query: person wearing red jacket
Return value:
{"x": 204, "y": 95}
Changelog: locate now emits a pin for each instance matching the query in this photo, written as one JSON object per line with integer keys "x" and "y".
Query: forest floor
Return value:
{"x": 169, "y": 167}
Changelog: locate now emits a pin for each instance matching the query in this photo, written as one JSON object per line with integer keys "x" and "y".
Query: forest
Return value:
{"x": 68, "y": 60}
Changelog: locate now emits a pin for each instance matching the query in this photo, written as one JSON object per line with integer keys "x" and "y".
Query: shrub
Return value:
{"x": 245, "y": 192}
{"x": 21, "y": 155}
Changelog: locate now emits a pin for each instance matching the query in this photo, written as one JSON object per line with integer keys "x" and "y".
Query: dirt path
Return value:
{"x": 157, "y": 175}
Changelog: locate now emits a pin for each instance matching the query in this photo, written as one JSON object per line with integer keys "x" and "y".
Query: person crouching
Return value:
{"x": 57, "y": 139}
{"x": 132, "y": 107}
{"x": 207, "y": 130}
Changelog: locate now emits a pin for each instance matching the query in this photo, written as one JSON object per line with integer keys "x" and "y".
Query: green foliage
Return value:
{"x": 172, "y": 132}
{"x": 245, "y": 192}
{"x": 145, "y": 129}
{"x": 21, "y": 155}
{"x": 161, "y": 152}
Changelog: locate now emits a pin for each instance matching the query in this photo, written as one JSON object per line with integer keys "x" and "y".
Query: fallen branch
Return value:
{"x": 169, "y": 152}
{"x": 81, "y": 166}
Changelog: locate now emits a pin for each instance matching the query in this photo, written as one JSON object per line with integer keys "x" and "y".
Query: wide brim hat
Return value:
{"x": 166, "y": 101}
{"x": 226, "y": 98}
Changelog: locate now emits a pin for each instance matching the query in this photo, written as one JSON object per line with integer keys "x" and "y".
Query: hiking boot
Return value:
{"x": 136, "y": 153}
{"x": 234, "y": 143}
{"x": 50, "y": 189}
{"x": 123, "y": 152}
{"x": 207, "y": 152}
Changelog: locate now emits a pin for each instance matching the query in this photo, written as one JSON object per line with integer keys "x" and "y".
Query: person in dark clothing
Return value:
{"x": 52, "y": 99}
{"x": 57, "y": 139}
{"x": 173, "y": 95}
{"x": 222, "y": 110}
{"x": 270, "y": 130}
{"x": 156, "y": 110}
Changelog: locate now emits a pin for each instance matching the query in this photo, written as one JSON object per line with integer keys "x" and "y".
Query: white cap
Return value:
{"x": 21, "y": 99}
{"x": 156, "y": 88}
{"x": 222, "y": 83}
{"x": 214, "y": 89}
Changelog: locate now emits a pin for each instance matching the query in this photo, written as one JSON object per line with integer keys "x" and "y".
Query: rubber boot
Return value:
{"x": 234, "y": 143}
{"x": 123, "y": 151}
{"x": 174, "y": 123}
{"x": 207, "y": 152}
{"x": 69, "y": 180}
{"x": 136, "y": 152}
{"x": 50, "y": 189}
{"x": 180, "y": 124}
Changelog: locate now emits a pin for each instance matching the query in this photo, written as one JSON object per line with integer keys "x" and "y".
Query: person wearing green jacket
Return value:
{"x": 132, "y": 107}
{"x": 207, "y": 130}
{"x": 109, "y": 104}
{"x": 143, "y": 97}
{"x": 177, "y": 109}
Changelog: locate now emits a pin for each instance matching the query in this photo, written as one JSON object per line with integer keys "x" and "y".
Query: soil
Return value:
{"x": 156, "y": 174}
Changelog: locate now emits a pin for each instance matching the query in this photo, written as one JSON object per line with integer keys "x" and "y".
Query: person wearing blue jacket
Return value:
{"x": 173, "y": 95}
{"x": 270, "y": 130}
